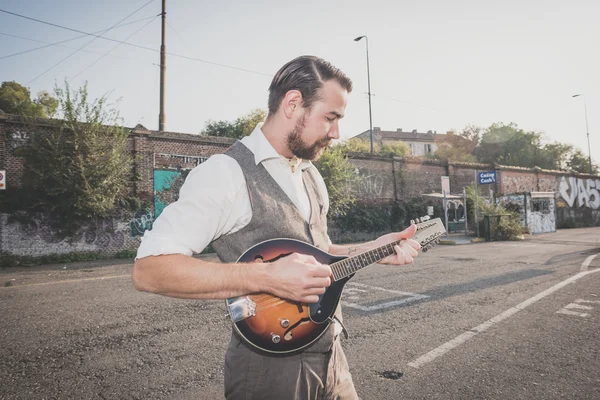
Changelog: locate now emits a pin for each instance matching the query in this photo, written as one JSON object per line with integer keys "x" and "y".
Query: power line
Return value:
{"x": 108, "y": 52}
{"x": 48, "y": 44}
{"x": 406, "y": 102}
{"x": 140, "y": 47}
{"x": 96, "y": 37}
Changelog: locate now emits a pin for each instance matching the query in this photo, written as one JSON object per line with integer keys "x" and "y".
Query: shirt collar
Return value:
{"x": 263, "y": 150}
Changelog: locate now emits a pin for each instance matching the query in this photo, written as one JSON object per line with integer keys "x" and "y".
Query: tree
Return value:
{"x": 80, "y": 170}
{"x": 243, "y": 126}
{"x": 398, "y": 149}
{"x": 579, "y": 162}
{"x": 338, "y": 175}
{"x": 509, "y": 145}
{"x": 16, "y": 99}
{"x": 461, "y": 148}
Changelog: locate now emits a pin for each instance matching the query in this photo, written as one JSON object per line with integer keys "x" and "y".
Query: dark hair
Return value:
{"x": 307, "y": 75}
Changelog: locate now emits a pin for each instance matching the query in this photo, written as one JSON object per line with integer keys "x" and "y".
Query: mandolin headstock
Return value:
{"x": 429, "y": 232}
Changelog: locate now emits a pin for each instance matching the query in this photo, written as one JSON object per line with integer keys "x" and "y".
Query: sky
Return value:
{"x": 434, "y": 65}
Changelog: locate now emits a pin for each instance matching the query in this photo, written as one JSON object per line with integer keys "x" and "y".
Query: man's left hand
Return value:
{"x": 406, "y": 251}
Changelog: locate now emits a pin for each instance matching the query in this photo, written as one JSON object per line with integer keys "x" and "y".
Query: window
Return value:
{"x": 427, "y": 148}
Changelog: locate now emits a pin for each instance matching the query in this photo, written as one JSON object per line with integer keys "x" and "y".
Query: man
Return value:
{"x": 265, "y": 187}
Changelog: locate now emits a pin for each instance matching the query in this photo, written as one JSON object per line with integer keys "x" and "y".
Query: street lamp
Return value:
{"x": 587, "y": 130}
{"x": 369, "y": 83}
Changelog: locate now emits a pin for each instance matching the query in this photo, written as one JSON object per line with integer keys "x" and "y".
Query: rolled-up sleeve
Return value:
{"x": 202, "y": 213}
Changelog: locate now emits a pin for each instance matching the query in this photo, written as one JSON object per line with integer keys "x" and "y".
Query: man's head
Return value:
{"x": 308, "y": 97}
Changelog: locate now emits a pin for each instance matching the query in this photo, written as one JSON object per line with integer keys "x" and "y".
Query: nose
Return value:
{"x": 334, "y": 132}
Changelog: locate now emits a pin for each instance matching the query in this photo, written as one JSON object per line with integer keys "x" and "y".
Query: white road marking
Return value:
{"x": 408, "y": 297}
{"x": 585, "y": 265}
{"x": 579, "y": 306}
{"x": 67, "y": 281}
{"x": 587, "y": 301}
{"x": 460, "y": 339}
{"x": 567, "y": 312}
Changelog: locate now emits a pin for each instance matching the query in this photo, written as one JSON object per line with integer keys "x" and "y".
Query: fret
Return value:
{"x": 355, "y": 262}
{"x": 346, "y": 268}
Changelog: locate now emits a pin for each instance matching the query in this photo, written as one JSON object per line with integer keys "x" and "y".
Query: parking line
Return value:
{"x": 66, "y": 281}
{"x": 460, "y": 339}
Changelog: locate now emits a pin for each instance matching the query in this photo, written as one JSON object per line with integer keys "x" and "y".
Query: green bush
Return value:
{"x": 508, "y": 228}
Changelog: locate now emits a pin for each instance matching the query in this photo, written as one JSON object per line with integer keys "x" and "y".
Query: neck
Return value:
{"x": 272, "y": 129}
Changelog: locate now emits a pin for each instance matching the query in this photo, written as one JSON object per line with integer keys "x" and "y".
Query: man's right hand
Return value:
{"x": 299, "y": 277}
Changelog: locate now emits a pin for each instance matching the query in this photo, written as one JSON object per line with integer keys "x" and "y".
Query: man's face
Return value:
{"x": 316, "y": 128}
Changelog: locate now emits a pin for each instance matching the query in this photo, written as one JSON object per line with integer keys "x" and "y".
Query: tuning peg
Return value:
{"x": 412, "y": 221}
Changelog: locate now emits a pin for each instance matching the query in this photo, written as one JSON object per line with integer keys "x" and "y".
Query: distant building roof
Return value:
{"x": 399, "y": 134}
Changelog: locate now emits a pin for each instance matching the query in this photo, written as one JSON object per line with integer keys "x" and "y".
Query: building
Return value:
{"x": 420, "y": 144}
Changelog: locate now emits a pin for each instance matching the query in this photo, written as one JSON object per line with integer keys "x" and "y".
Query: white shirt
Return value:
{"x": 214, "y": 200}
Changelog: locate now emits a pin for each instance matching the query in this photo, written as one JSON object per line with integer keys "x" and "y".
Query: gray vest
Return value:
{"x": 274, "y": 216}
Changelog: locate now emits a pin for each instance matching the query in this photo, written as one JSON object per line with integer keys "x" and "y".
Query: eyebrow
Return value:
{"x": 337, "y": 114}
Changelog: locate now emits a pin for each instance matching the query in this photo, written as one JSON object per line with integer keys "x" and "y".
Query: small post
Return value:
{"x": 446, "y": 213}
{"x": 476, "y": 204}
{"x": 466, "y": 213}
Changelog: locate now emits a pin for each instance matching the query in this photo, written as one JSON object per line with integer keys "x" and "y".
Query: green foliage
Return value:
{"x": 391, "y": 217}
{"x": 338, "y": 175}
{"x": 461, "y": 148}
{"x": 16, "y": 99}
{"x": 243, "y": 126}
{"x": 580, "y": 163}
{"x": 508, "y": 228}
{"x": 79, "y": 171}
{"x": 398, "y": 149}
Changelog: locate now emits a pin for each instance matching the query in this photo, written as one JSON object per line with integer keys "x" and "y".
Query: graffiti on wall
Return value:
{"x": 515, "y": 204}
{"x": 141, "y": 222}
{"x": 371, "y": 185}
{"x": 580, "y": 192}
{"x": 541, "y": 215}
{"x": 366, "y": 184}
{"x": 102, "y": 234}
{"x": 518, "y": 183}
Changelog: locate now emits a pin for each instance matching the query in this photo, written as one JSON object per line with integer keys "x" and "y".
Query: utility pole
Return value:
{"x": 163, "y": 69}
{"x": 587, "y": 129}
{"x": 369, "y": 86}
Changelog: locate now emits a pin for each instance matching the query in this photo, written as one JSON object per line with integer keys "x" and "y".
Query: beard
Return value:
{"x": 301, "y": 149}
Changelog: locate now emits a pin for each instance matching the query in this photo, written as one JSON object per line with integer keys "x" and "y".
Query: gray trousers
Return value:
{"x": 305, "y": 376}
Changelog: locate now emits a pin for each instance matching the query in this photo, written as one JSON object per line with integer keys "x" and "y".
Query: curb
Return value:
{"x": 447, "y": 242}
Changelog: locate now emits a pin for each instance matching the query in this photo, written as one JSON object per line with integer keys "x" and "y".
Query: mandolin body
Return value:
{"x": 279, "y": 326}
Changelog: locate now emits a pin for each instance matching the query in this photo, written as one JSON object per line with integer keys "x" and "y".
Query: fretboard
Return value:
{"x": 351, "y": 265}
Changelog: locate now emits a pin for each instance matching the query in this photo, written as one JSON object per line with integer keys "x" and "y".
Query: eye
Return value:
{"x": 330, "y": 119}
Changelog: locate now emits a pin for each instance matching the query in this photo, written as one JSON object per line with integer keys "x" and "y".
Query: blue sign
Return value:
{"x": 485, "y": 178}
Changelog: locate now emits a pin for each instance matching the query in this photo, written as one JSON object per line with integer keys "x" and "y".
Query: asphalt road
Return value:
{"x": 504, "y": 320}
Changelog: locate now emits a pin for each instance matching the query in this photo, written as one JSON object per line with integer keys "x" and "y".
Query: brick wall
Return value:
{"x": 382, "y": 180}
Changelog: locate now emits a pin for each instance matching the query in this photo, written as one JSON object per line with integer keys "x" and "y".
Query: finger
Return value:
{"x": 319, "y": 282}
{"x": 317, "y": 291}
{"x": 400, "y": 255}
{"x": 409, "y": 250}
{"x": 413, "y": 243}
{"x": 322, "y": 271}
{"x": 310, "y": 299}
{"x": 405, "y": 234}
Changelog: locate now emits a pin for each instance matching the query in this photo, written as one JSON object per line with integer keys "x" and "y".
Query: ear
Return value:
{"x": 291, "y": 103}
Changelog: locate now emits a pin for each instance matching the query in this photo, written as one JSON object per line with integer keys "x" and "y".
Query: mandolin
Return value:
{"x": 274, "y": 325}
